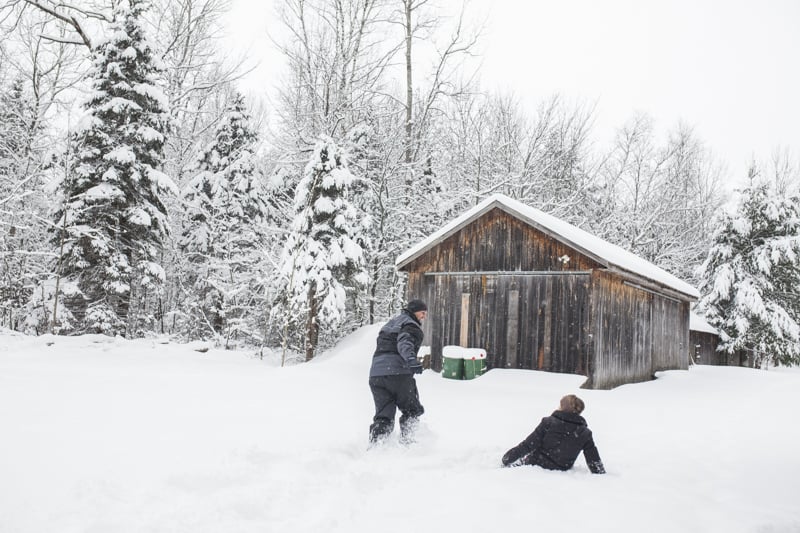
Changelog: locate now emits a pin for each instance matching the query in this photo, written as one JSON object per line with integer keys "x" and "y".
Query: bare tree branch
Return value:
{"x": 65, "y": 17}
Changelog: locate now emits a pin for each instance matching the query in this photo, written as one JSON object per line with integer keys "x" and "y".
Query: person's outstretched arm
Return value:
{"x": 514, "y": 456}
{"x": 592, "y": 457}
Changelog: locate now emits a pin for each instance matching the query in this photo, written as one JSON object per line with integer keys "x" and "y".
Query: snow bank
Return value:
{"x": 107, "y": 435}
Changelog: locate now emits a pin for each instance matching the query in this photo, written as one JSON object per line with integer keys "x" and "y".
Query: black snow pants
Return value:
{"x": 391, "y": 393}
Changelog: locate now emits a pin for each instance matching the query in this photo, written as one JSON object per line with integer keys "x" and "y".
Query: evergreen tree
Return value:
{"x": 751, "y": 275}
{"x": 113, "y": 223}
{"x": 222, "y": 236}
{"x": 324, "y": 254}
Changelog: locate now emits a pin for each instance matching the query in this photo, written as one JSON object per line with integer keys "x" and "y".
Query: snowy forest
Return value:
{"x": 141, "y": 193}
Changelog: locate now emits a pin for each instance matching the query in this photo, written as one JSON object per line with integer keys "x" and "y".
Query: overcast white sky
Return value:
{"x": 729, "y": 68}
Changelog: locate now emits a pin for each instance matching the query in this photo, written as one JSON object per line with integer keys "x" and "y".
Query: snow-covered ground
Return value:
{"x": 106, "y": 435}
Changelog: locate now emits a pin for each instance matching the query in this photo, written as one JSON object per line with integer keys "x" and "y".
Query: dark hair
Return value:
{"x": 572, "y": 404}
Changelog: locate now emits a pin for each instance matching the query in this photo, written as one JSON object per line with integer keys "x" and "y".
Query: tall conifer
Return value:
{"x": 223, "y": 232}
{"x": 113, "y": 222}
{"x": 751, "y": 275}
{"x": 324, "y": 254}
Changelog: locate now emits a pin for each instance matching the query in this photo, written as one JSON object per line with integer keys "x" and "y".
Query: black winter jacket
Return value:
{"x": 556, "y": 443}
{"x": 397, "y": 346}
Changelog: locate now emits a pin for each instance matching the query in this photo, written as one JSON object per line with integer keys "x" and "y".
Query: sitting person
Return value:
{"x": 557, "y": 441}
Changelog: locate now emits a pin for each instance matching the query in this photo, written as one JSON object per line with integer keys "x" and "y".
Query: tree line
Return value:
{"x": 141, "y": 193}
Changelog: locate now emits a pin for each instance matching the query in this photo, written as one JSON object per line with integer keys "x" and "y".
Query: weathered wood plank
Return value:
{"x": 512, "y": 330}
{"x": 463, "y": 337}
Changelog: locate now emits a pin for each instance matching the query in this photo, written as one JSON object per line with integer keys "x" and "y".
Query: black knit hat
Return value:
{"x": 416, "y": 305}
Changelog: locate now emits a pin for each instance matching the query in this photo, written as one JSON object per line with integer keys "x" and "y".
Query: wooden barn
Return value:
{"x": 703, "y": 340}
{"x": 538, "y": 293}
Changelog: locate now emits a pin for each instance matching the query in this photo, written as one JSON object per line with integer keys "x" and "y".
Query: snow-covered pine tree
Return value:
{"x": 113, "y": 223}
{"x": 751, "y": 275}
{"x": 223, "y": 232}
{"x": 323, "y": 257}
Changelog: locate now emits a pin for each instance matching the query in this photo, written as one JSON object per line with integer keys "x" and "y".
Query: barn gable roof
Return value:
{"x": 699, "y": 324}
{"x": 609, "y": 255}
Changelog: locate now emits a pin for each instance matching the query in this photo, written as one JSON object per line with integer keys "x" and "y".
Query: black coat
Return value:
{"x": 397, "y": 346}
{"x": 556, "y": 443}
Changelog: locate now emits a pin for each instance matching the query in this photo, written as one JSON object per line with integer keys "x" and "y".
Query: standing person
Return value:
{"x": 557, "y": 441}
{"x": 391, "y": 377}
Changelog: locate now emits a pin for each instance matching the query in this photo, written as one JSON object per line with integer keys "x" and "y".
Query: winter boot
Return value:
{"x": 379, "y": 431}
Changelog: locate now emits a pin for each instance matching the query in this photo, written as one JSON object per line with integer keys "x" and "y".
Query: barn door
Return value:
{"x": 547, "y": 322}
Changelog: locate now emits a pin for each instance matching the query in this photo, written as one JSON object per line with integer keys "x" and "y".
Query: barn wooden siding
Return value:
{"x": 499, "y": 242}
{"x": 500, "y": 284}
{"x": 703, "y": 349}
{"x": 637, "y": 332}
{"x": 534, "y": 321}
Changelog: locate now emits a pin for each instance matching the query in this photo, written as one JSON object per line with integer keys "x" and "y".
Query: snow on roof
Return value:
{"x": 609, "y": 255}
{"x": 698, "y": 323}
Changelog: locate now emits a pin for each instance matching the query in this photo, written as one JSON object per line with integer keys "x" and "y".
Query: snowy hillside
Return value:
{"x": 106, "y": 435}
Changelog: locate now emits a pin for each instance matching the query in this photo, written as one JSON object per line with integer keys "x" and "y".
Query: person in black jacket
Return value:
{"x": 391, "y": 377}
{"x": 557, "y": 441}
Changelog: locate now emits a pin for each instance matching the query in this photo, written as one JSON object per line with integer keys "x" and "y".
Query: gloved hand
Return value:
{"x": 416, "y": 368}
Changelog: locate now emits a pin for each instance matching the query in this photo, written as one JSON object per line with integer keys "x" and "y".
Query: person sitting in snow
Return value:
{"x": 557, "y": 441}
{"x": 391, "y": 377}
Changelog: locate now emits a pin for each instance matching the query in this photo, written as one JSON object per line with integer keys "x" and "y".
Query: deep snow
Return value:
{"x": 108, "y": 435}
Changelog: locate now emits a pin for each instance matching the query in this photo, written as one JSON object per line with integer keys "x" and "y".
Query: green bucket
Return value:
{"x": 474, "y": 367}
{"x": 452, "y": 368}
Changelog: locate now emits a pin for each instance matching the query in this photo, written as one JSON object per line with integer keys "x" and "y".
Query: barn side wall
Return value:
{"x": 670, "y": 323}
{"x": 636, "y": 332}
{"x": 703, "y": 349}
{"x": 531, "y": 321}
